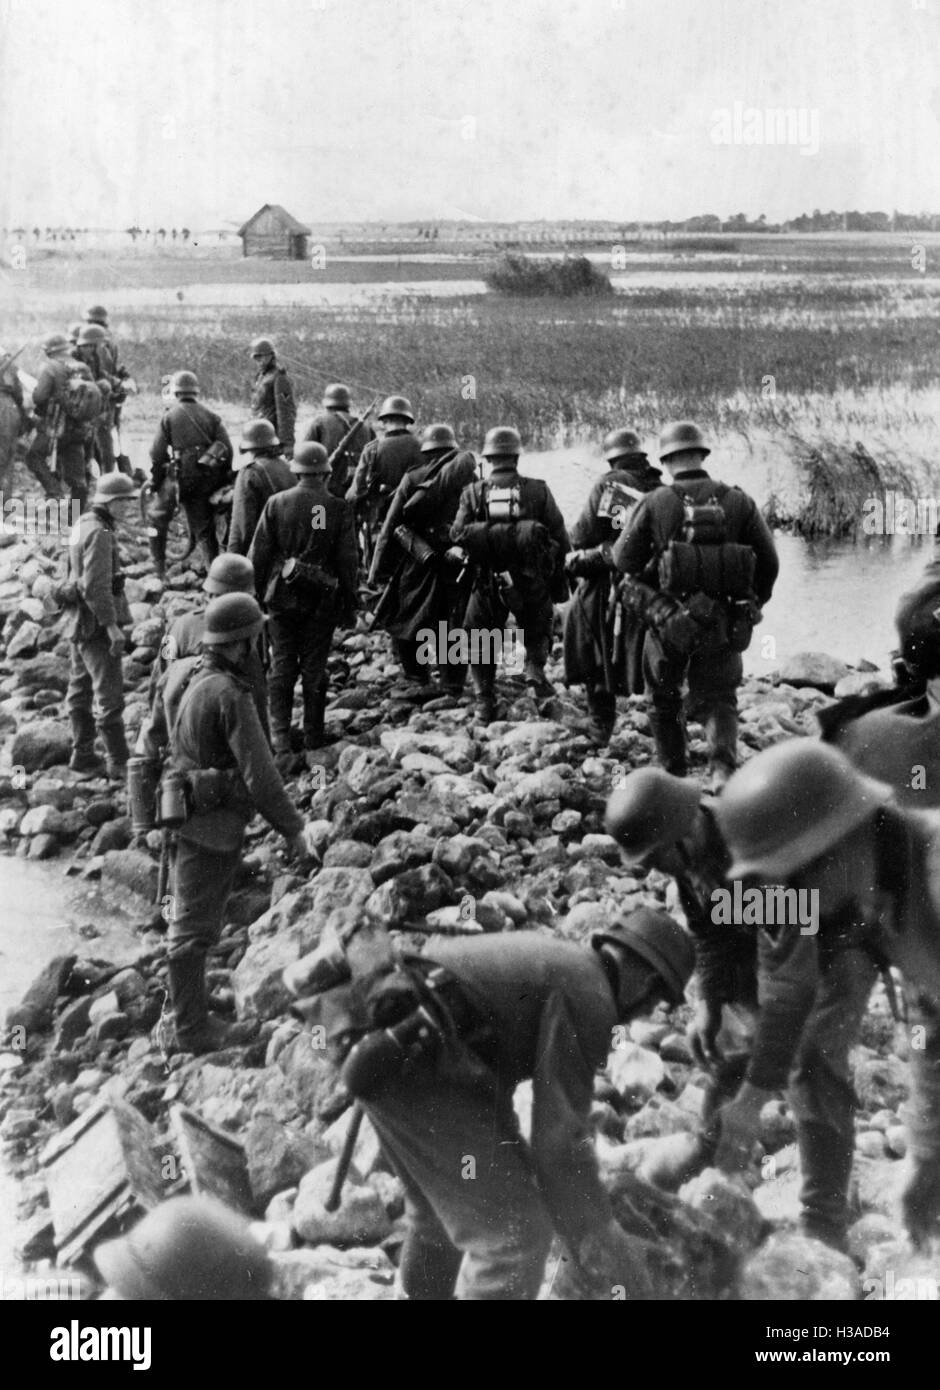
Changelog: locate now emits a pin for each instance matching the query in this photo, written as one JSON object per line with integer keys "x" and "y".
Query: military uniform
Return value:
{"x": 272, "y": 399}
{"x": 99, "y": 359}
{"x": 603, "y": 650}
{"x": 260, "y": 479}
{"x": 95, "y": 675}
{"x": 214, "y": 726}
{"x": 550, "y": 1009}
{"x": 531, "y": 555}
{"x": 55, "y": 429}
{"x": 187, "y": 431}
{"x": 419, "y": 593}
{"x": 713, "y": 671}
{"x": 307, "y": 522}
{"x": 329, "y": 428}
{"x": 381, "y": 467}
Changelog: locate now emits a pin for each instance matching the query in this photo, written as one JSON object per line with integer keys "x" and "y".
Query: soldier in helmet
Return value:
{"x": 513, "y": 532}
{"x": 424, "y": 584}
{"x": 382, "y": 465}
{"x": 272, "y": 396}
{"x": 218, "y": 745}
{"x": 499, "y": 1010}
{"x": 99, "y": 613}
{"x": 800, "y": 815}
{"x": 196, "y": 441}
{"x": 93, "y": 349}
{"x": 603, "y": 653}
{"x": 190, "y": 1249}
{"x": 331, "y": 426}
{"x": 260, "y": 472}
{"x": 61, "y": 428}
{"x": 98, "y": 314}
{"x": 306, "y": 567}
{"x": 708, "y": 561}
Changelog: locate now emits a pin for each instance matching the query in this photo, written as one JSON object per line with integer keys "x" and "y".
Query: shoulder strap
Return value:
{"x": 264, "y": 475}
{"x": 188, "y": 686}
{"x": 201, "y": 428}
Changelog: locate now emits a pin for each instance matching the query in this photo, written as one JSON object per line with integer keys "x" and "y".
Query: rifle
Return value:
{"x": 9, "y": 358}
{"x": 345, "y": 1159}
{"x": 351, "y": 431}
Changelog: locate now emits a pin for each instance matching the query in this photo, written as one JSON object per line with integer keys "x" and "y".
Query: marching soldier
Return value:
{"x": 218, "y": 745}
{"x": 424, "y": 587}
{"x": 64, "y": 421}
{"x": 498, "y": 1010}
{"x": 306, "y": 568}
{"x": 601, "y": 652}
{"x": 382, "y": 465}
{"x": 95, "y": 590}
{"x": 93, "y": 349}
{"x": 708, "y": 561}
{"x": 513, "y": 532}
{"x": 331, "y": 426}
{"x": 98, "y": 314}
{"x": 272, "y": 396}
{"x": 257, "y": 478}
{"x": 799, "y": 814}
{"x": 195, "y": 440}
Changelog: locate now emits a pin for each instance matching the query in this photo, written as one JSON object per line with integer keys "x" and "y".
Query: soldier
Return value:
{"x": 92, "y": 348}
{"x": 58, "y": 428}
{"x": 513, "y": 532}
{"x": 423, "y": 586}
{"x": 257, "y": 478}
{"x": 799, "y": 814}
{"x": 306, "y": 567}
{"x": 601, "y": 652}
{"x": 195, "y": 439}
{"x": 218, "y": 745}
{"x": 272, "y": 396}
{"x": 98, "y": 314}
{"x": 709, "y": 555}
{"x": 382, "y": 465}
{"x": 498, "y": 1010}
{"x": 330, "y": 427}
{"x": 228, "y": 574}
{"x": 95, "y": 590}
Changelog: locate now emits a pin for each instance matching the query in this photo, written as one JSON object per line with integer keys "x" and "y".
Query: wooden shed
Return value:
{"x": 273, "y": 232}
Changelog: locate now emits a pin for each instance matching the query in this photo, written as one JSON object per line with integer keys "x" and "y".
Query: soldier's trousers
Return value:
{"x": 201, "y": 885}
{"x": 103, "y": 444}
{"x": 70, "y": 462}
{"x": 300, "y": 646}
{"x": 200, "y": 519}
{"x": 487, "y": 612}
{"x": 476, "y": 1219}
{"x": 713, "y": 678}
{"x": 821, "y": 1092}
{"x": 95, "y": 698}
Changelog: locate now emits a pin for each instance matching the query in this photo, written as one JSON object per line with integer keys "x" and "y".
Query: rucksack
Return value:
{"x": 700, "y": 560}
{"x": 82, "y": 400}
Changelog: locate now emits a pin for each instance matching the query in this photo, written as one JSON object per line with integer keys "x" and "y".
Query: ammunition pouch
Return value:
{"x": 743, "y": 617}
{"x": 213, "y": 456}
{"x": 216, "y": 789}
{"x": 307, "y": 582}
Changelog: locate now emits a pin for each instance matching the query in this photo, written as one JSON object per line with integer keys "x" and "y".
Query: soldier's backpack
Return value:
{"x": 82, "y": 400}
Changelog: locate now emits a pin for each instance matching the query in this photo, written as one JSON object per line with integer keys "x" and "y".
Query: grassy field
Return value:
{"x": 808, "y": 345}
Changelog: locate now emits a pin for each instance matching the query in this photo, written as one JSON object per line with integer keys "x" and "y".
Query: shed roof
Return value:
{"x": 289, "y": 223}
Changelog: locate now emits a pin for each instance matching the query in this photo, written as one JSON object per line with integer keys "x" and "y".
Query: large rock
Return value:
{"x": 401, "y": 850}
{"x": 24, "y": 641}
{"x": 35, "y": 1009}
{"x": 131, "y": 870}
{"x": 330, "y": 1275}
{"x": 45, "y": 743}
{"x": 360, "y": 1220}
{"x": 880, "y": 1082}
{"x": 795, "y": 1268}
{"x": 278, "y": 1157}
{"x": 308, "y": 1072}
{"x": 635, "y": 1072}
{"x": 43, "y": 672}
{"x": 726, "y": 1200}
{"x": 41, "y": 820}
{"x": 411, "y": 895}
{"x": 811, "y": 668}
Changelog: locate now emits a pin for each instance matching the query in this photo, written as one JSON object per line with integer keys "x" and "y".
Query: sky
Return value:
{"x": 195, "y": 112}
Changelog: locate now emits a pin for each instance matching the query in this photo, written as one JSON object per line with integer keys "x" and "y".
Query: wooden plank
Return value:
{"x": 214, "y": 1162}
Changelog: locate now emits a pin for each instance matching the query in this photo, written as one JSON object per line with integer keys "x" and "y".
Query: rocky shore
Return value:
{"x": 436, "y": 825}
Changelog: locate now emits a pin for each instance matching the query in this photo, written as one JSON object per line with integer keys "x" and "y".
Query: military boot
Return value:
{"x": 669, "y": 737}
{"x": 826, "y": 1164}
{"x": 533, "y": 673}
{"x": 721, "y": 733}
{"x": 84, "y": 759}
{"x": 115, "y": 746}
{"x": 315, "y": 735}
{"x": 197, "y": 1030}
{"x": 602, "y": 707}
{"x": 156, "y": 539}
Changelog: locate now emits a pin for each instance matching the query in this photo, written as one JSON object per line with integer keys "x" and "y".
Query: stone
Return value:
{"x": 869, "y": 1233}
{"x": 666, "y": 1160}
{"x": 675, "y": 1048}
{"x": 43, "y": 847}
{"x": 635, "y": 1072}
{"x": 397, "y": 852}
{"x": 543, "y": 785}
{"x": 327, "y": 1274}
{"x": 456, "y": 854}
{"x": 25, "y": 640}
{"x": 870, "y": 1142}
{"x": 51, "y": 791}
{"x": 99, "y": 810}
{"x": 728, "y": 1202}
{"x": 131, "y": 870}
{"x": 111, "y": 1026}
{"x": 777, "y": 1126}
{"x": 794, "y": 1268}
{"x": 308, "y": 1072}
{"x": 41, "y": 820}
{"x": 114, "y": 834}
{"x": 35, "y": 1010}
{"x": 278, "y": 1157}
{"x": 348, "y": 854}
{"x": 360, "y": 1220}
{"x": 103, "y": 1005}
{"x": 880, "y": 1082}
{"x": 896, "y": 1141}
{"x": 44, "y": 672}
{"x": 367, "y": 1154}
{"x": 861, "y": 683}
{"x": 72, "y": 1023}
{"x": 811, "y": 668}
{"x": 410, "y": 896}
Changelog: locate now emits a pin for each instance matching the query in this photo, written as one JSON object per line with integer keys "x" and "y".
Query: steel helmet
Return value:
{"x": 258, "y": 434}
{"x": 918, "y": 627}
{"x": 230, "y": 574}
{"x": 311, "y": 458}
{"x": 231, "y": 617}
{"x": 97, "y": 314}
{"x": 91, "y": 333}
{"x": 620, "y": 443}
{"x": 681, "y": 434}
{"x": 56, "y": 343}
{"x": 189, "y": 1248}
{"x": 650, "y": 809}
{"x": 657, "y": 939}
{"x": 791, "y": 804}
{"x": 185, "y": 384}
{"x": 262, "y": 347}
{"x": 111, "y": 487}
{"x": 502, "y": 442}
{"x": 437, "y": 437}
{"x": 397, "y": 405}
{"x": 337, "y": 395}
{"x": 74, "y": 330}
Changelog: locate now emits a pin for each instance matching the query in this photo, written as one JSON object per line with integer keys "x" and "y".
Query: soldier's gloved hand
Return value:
{"x": 702, "y": 1032}
{"x": 455, "y": 555}
{"x": 740, "y": 1128}
{"x": 303, "y": 846}
{"x": 920, "y": 1201}
{"x": 573, "y": 562}
{"x": 610, "y": 1259}
{"x": 116, "y": 636}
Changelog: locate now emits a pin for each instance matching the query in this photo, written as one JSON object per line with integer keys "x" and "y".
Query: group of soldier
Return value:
{"x": 671, "y": 577}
